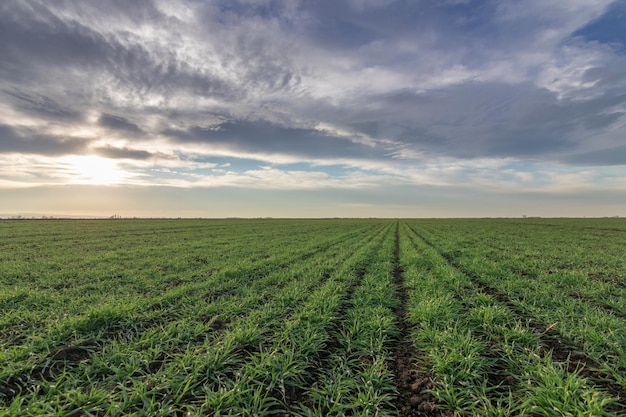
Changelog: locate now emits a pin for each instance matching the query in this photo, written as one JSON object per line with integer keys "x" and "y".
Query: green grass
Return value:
{"x": 301, "y": 317}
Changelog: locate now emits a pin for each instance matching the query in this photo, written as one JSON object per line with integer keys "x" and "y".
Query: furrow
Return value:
{"x": 556, "y": 347}
{"x": 412, "y": 384}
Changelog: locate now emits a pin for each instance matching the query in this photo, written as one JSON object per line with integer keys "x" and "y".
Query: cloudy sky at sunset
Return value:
{"x": 313, "y": 108}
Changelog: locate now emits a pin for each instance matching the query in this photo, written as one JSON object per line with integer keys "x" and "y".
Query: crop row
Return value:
{"x": 243, "y": 342}
{"x": 492, "y": 341}
{"x": 129, "y": 293}
{"x": 588, "y": 314}
{"x": 312, "y": 318}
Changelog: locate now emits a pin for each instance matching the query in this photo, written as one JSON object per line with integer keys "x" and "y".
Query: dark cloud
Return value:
{"x": 33, "y": 37}
{"x": 353, "y": 24}
{"x": 123, "y": 153}
{"x": 36, "y": 43}
{"x": 611, "y": 156}
{"x": 27, "y": 141}
{"x": 335, "y": 25}
{"x": 33, "y": 31}
{"x": 603, "y": 76}
{"x": 480, "y": 119}
{"x": 265, "y": 137}
{"x": 255, "y": 41}
{"x": 603, "y": 120}
{"x": 118, "y": 123}
{"x": 248, "y": 63}
{"x": 41, "y": 105}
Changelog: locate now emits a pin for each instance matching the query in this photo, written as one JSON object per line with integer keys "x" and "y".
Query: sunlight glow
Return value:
{"x": 94, "y": 170}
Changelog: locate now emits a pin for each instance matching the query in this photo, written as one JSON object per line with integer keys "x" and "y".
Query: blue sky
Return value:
{"x": 293, "y": 108}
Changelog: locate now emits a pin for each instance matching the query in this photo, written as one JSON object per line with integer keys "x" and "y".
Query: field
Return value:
{"x": 364, "y": 317}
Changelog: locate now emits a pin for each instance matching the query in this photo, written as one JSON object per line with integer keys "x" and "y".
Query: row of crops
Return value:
{"x": 312, "y": 317}
{"x": 509, "y": 325}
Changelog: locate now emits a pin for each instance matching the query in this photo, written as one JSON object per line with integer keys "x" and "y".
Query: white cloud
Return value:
{"x": 491, "y": 98}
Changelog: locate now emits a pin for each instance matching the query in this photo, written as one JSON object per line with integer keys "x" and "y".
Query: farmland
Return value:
{"x": 366, "y": 317}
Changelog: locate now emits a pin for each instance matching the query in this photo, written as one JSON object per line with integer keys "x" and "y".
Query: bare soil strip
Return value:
{"x": 412, "y": 384}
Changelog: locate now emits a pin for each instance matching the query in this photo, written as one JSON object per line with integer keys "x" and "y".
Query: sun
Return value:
{"x": 93, "y": 170}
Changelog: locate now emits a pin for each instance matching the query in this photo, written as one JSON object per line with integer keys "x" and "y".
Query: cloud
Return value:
{"x": 44, "y": 42}
{"x": 484, "y": 119}
{"x": 604, "y": 76}
{"x": 611, "y": 156}
{"x": 520, "y": 94}
{"x": 24, "y": 140}
{"x": 41, "y": 105}
{"x": 33, "y": 38}
{"x": 258, "y": 136}
{"x": 122, "y": 153}
{"x": 118, "y": 123}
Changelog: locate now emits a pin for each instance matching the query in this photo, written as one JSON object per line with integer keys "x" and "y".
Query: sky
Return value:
{"x": 313, "y": 108}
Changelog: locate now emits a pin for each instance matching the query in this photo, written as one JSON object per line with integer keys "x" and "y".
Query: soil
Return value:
{"x": 413, "y": 385}
{"x": 72, "y": 354}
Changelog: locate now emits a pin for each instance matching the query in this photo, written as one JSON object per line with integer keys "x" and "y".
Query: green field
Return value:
{"x": 363, "y": 317}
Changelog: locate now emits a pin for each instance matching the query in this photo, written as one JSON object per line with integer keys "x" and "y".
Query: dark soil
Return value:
{"x": 73, "y": 354}
{"x": 65, "y": 357}
{"x": 413, "y": 385}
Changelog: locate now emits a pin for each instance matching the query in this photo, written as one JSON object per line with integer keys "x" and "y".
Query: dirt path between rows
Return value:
{"x": 412, "y": 384}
